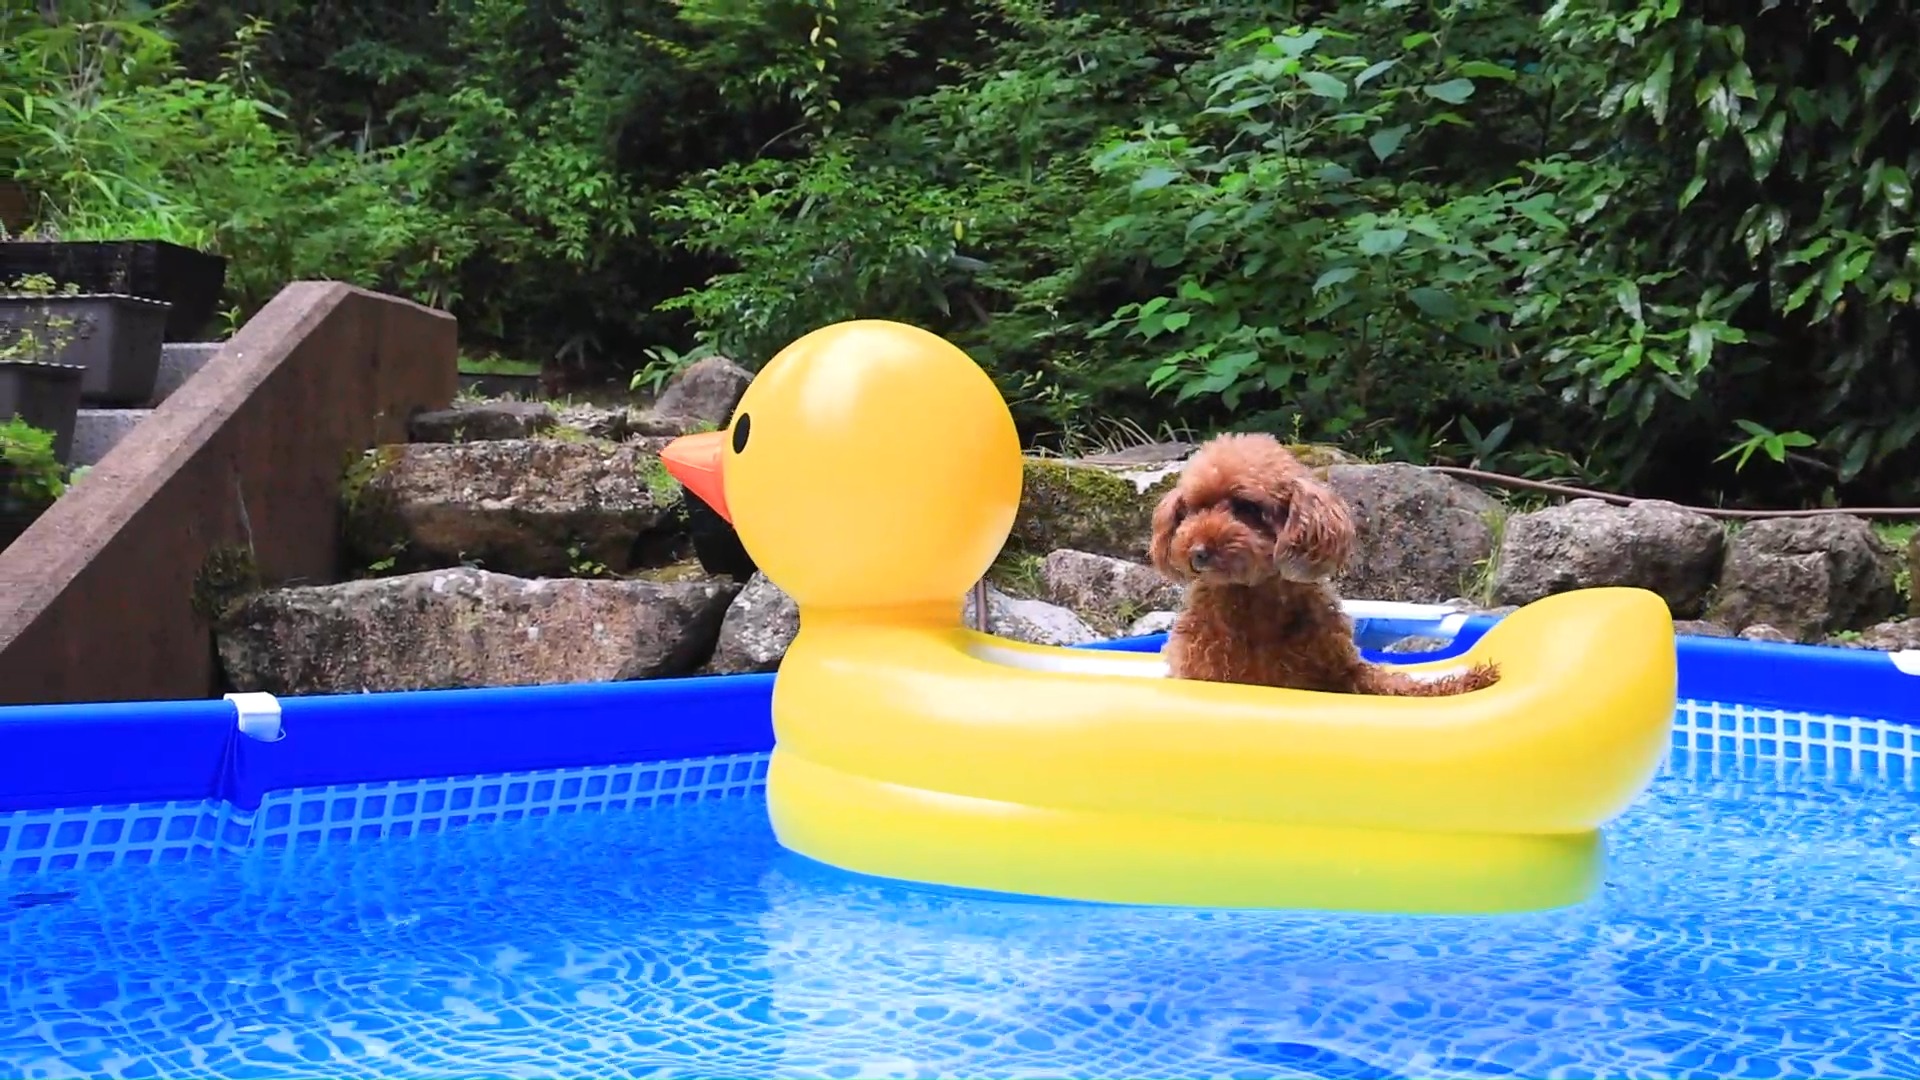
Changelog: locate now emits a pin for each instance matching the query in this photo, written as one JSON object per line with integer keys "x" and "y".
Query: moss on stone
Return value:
{"x": 1065, "y": 504}
{"x": 1320, "y": 457}
{"x": 684, "y": 570}
{"x": 227, "y": 575}
{"x": 661, "y": 485}
{"x": 1903, "y": 539}
{"x": 370, "y": 532}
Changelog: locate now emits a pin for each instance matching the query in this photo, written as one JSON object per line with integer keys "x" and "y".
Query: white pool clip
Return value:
{"x": 1906, "y": 661}
{"x": 259, "y": 715}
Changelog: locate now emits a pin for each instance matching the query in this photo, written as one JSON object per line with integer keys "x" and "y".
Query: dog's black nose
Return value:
{"x": 1199, "y": 556}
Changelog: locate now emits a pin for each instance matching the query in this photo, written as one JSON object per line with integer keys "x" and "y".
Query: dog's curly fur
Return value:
{"x": 1256, "y": 538}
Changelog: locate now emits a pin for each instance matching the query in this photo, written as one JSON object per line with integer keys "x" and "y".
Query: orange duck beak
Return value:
{"x": 694, "y": 460}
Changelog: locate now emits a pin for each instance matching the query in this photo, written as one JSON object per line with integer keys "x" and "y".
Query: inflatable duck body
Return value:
{"x": 872, "y": 471}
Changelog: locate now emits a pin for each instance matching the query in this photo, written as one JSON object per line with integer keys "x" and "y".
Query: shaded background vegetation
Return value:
{"x": 1660, "y": 247}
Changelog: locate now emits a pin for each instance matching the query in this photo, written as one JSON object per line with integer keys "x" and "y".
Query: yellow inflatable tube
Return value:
{"x": 911, "y": 747}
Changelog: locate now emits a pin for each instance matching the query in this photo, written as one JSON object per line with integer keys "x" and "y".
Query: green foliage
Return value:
{"x": 1770, "y": 151}
{"x": 31, "y": 478}
{"x": 1607, "y": 241}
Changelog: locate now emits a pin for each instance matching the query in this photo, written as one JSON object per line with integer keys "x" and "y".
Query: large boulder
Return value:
{"x": 1104, "y": 590}
{"x": 1153, "y": 622}
{"x": 460, "y": 627}
{"x": 1422, "y": 536}
{"x": 1035, "y": 622}
{"x": 1589, "y": 543}
{"x": 1807, "y": 577}
{"x": 482, "y": 421}
{"x": 533, "y": 507}
{"x": 760, "y": 623}
{"x": 702, "y": 397}
{"x": 1086, "y": 507}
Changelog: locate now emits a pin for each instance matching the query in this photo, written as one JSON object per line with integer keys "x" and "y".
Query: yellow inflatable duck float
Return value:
{"x": 872, "y": 471}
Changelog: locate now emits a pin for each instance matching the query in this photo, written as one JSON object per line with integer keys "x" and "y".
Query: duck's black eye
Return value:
{"x": 741, "y": 429}
{"x": 1249, "y": 512}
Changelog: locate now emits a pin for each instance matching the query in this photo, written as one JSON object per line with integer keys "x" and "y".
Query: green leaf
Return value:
{"x": 1763, "y": 144}
{"x": 1387, "y": 140}
{"x": 1481, "y": 69}
{"x": 1700, "y": 345}
{"x": 1321, "y": 84}
{"x": 1232, "y": 365}
{"x": 1627, "y": 295}
{"x": 1437, "y": 303}
{"x": 1692, "y": 191}
{"x": 1339, "y": 275}
{"x": 1740, "y": 79}
{"x": 1856, "y": 459}
{"x": 1453, "y": 91}
{"x": 1382, "y": 241}
{"x": 1896, "y": 188}
{"x": 1372, "y": 72}
{"x": 1177, "y": 321}
{"x": 1654, "y": 92}
{"x": 1193, "y": 290}
{"x": 1244, "y": 105}
{"x": 1155, "y": 178}
{"x": 1295, "y": 46}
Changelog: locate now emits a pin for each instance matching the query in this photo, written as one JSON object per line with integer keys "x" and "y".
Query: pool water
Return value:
{"x": 1755, "y": 924}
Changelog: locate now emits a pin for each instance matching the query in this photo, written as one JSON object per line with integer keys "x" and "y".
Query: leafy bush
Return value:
{"x": 1636, "y": 242}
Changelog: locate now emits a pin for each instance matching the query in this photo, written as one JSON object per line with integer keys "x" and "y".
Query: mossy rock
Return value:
{"x": 1070, "y": 504}
{"x": 226, "y": 576}
{"x": 1320, "y": 458}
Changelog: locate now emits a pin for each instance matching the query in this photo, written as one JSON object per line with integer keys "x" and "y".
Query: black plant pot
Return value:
{"x": 46, "y": 396}
{"x": 116, "y": 339}
{"x": 151, "y": 269}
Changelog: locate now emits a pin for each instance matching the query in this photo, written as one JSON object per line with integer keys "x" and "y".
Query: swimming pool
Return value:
{"x": 580, "y": 881}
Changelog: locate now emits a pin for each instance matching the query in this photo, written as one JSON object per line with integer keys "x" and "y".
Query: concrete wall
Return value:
{"x": 96, "y": 599}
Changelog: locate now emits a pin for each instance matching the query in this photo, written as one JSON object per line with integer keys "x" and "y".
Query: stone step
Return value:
{"x": 96, "y": 431}
{"x": 180, "y": 361}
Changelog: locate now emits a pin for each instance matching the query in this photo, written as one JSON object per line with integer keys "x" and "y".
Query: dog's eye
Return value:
{"x": 1249, "y": 512}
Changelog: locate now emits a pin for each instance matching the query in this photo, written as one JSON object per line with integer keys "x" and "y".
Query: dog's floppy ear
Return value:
{"x": 1166, "y": 518}
{"x": 1318, "y": 530}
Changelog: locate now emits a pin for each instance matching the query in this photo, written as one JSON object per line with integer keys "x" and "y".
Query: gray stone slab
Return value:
{"x": 179, "y": 361}
{"x": 96, "y": 431}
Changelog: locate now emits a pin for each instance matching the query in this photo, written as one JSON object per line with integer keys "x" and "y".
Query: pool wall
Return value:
{"x": 88, "y": 786}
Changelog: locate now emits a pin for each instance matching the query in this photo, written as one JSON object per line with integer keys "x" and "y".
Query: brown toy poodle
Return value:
{"x": 1257, "y": 538}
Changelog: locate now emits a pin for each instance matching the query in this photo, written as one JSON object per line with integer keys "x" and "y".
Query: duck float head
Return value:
{"x": 871, "y": 466}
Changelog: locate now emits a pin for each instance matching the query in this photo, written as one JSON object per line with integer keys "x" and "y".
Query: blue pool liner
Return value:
{"x": 54, "y": 756}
